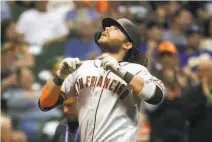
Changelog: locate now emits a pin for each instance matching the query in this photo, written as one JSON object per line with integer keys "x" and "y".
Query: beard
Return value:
{"x": 109, "y": 46}
{"x": 108, "y": 49}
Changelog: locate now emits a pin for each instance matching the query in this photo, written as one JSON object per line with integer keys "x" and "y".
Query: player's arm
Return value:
{"x": 150, "y": 89}
{"x": 143, "y": 84}
{"x": 51, "y": 96}
{"x": 55, "y": 91}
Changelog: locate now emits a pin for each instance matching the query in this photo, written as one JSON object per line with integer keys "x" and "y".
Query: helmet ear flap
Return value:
{"x": 97, "y": 36}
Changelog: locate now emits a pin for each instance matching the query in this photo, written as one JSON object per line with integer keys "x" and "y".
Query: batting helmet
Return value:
{"x": 127, "y": 27}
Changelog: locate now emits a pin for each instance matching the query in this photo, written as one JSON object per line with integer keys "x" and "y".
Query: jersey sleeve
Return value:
{"x": 153, "y": 90}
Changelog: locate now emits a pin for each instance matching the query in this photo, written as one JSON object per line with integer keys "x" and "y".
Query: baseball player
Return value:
{"x": 110, "y": 89}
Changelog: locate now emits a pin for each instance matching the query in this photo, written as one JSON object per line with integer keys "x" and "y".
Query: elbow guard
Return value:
{"x": 151, "y": 93}
{"x": 157, "y": 97}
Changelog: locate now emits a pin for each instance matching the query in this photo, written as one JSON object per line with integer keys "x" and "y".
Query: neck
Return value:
{"x": 118, "y": 56}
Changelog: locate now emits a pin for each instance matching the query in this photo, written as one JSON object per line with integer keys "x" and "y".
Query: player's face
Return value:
{"x": 112, "y": 39}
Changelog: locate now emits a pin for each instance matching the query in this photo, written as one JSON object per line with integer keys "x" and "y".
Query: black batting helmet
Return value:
{"x": 133, "y": 34}
{"x": 127, "y": 27}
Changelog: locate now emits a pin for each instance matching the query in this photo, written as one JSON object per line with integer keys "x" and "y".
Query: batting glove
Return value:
{"x": 110, "y": 63}
{"x": 68, "y": 66}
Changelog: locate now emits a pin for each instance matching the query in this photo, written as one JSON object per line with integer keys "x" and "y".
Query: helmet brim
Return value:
{"x": 107, "y": 22}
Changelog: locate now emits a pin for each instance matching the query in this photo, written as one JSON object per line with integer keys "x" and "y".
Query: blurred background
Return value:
{"x": 176, "y": 39}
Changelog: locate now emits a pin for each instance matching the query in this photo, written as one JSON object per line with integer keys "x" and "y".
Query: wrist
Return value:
{"x": 121, "y": 72}
{"x": 60, "y": 75}
{"x": 126, "y": 76}
{"x": 58, "y": 81}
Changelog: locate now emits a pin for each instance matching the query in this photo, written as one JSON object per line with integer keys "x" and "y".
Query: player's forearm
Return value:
{"x": 137, "y": 84}
{"x": 146, "y": 89}
{"x": 49, "y": 94}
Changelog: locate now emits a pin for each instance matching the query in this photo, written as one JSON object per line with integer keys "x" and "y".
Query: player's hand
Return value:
{"x": 67, "y": 66}
{"x": 110, "y": 63}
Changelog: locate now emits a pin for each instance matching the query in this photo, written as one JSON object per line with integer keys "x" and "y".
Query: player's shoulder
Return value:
{"x": 133, "y": 67}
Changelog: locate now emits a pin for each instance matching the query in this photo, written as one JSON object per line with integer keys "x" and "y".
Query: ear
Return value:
{"x": 127, "y": 45}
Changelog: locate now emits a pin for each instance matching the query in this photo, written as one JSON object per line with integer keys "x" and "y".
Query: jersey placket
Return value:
{"x": 96, "y": 97}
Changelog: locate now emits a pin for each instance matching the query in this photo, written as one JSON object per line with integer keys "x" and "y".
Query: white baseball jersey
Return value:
{"x": 108, "y": 110}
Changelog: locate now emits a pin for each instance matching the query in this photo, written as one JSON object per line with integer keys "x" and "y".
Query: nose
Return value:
{"x": 107, "y": 29}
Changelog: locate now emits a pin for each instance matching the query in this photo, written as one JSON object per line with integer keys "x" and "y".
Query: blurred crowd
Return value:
{"x": 176, "y": 39}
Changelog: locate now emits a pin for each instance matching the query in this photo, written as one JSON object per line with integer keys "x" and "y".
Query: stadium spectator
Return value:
{"x": 68, "y": 126}
{"x": 160, "y": 13}
{"x": 18, "y": 136}
{"x": 38, "y": 26}
{"x": 204, "y": 14}
{"x": 102, "y": 6}
{"x": 144, "y": 129}
{"x": 14, "y": 56}
{"x": 8, "y": 31}
{"x": 8, "y": 76}
{"x": 113, "y": 9}
{"x": 18, "y": 7}
{"x": 6, "y": 128}
{"x": 60, "y": 7}
{"x": 173, "y": 7}
{"x": 193, "y": 53}
{"x": 153, "y": 36}
{"x": 84, "y": 46}
{"x": 20, "y": 49}
{"x": 80, "y": 13}
{"x": 164, "y": 10}
{"x": 166, "y": 120}
{"x": 8, "y": 134}
{"x": 181, "y": 20}
{"x": 22, "y": 105}
{"x": 5, "y": 10}
{"x": 197, "y": 105}
{"x": 168, "y": 68}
